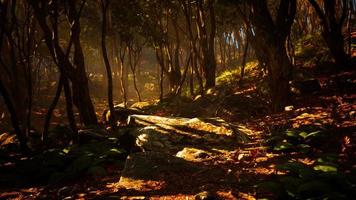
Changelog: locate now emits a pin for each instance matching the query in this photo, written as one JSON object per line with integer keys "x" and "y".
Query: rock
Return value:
{"x": 152, "y": 139}
{"x": 140, "y": 105}
{"x": 171, "y": 134}
{"x": 308, "y": 86}
{"x": 128, "y": 142}
{"x": 88, "y": 135}
{"x": 175, "y": 130}
{"x": 192, "y": 154}
{"x": 208, "y": 125}
{"x": 121, "y": 114}
{"x": 289, "y": 108}
{"x": 144, "y": 169}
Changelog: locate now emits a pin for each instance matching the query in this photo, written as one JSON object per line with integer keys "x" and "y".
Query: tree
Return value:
{"x": 332, "y": 16}
{"x": 206, "y": 37}
{"x": 269, "y": 38}
{"x": 104, "y": 7}
{"x": 17, "y": 47}
{"x": 73, "y": 71}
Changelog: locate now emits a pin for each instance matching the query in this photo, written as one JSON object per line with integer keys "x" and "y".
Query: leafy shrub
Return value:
{"x": 228, "y": 77}
{"x": 319, "y": 181}
{"x": 297, "y": 139}
{"x": 58, "y": 165}
{"x": 311, "y": 49}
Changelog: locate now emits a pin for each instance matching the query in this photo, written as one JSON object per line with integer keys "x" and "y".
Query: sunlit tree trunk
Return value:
{"x": 122, "y": 53}
{"x": 134, "y": 57}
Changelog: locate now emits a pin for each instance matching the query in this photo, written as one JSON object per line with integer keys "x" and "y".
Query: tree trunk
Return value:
{"x": 69, "y": 107}
{"x": 207, "y": 42}
{"x": 244, "y": 61}
{"x": 335, "y": 41}
{"x": 332, "y": 28}
{"x": 51, "y": 109}
{"x": 104, "y": 6}
{"x": 122, "y": 52}
{"x": 74, "y": 72}
{"x": 14, "y": 119}
{"x": 134, "y": 55}
{"x": 269, "y": 43}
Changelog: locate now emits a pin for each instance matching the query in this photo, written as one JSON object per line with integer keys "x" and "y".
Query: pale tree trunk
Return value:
{"x": 122, "y": 53}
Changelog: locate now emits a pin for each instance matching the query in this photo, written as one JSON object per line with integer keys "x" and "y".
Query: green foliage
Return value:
{"x": 302, "y": 140}
{"x": 301, "y": 181}
{"x": 228, "y": 77}
{"x": 64, "y": 164}
{"x": 312, "y": 49}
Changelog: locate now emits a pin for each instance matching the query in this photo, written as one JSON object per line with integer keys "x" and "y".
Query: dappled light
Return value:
{"x": 177, "y": 99}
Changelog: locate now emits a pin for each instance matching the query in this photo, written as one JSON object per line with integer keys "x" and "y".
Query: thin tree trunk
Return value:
{"x": 69, "y": 107}
{"x": 51, "y": 109}
{"x": 122, "y": 53}
{"x": 244, "y": 61}
{"x": 104, "y": 6}
{"x": 133, "y": 60}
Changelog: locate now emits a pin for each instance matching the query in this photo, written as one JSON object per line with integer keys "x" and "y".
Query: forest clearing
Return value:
{"x": 178, "y": 99}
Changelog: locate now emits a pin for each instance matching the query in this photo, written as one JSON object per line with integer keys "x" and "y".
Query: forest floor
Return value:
{"x": 320, "y": 126}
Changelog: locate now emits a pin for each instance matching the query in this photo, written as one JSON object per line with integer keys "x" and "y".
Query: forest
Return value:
{"x": 177, "y": 99}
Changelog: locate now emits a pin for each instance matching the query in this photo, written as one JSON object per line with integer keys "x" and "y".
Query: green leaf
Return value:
{"x": 314, "y": 134}
{"x": 303, "y": 134}
{"x": 325, "y": 168}
{"x": 291, "y": 133}
{"x": 298, "y": 169}
{"x": 305, "y": 148}
{"x": 283, "y": 146}
{"x": 66, "y": 150}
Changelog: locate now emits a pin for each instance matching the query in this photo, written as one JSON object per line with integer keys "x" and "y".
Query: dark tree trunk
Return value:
{"x": 69, "y": 107}
{"x": 269, "y": 44}
{"x": 332, "y": 28}
{"x": 244, "y": 61}
{"x": 51, "y": 109}
{"x": 335, "y": 41}
{"x": 14, "y": 119}
{"x": 74, "y": 72}
{"x": 207, "y": 42}
{"x": 104, "y": 6}
{"x": 80, "y": 87}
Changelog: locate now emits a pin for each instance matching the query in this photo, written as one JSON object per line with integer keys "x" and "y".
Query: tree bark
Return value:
{"x": 332, "y": 28}
{"x": 269, "y": 43}
{"x": 104, "y": 7}
{"x": 14, "y": 119}
{"x": 74, "y": 72}
{"x": 51, "y": 109}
